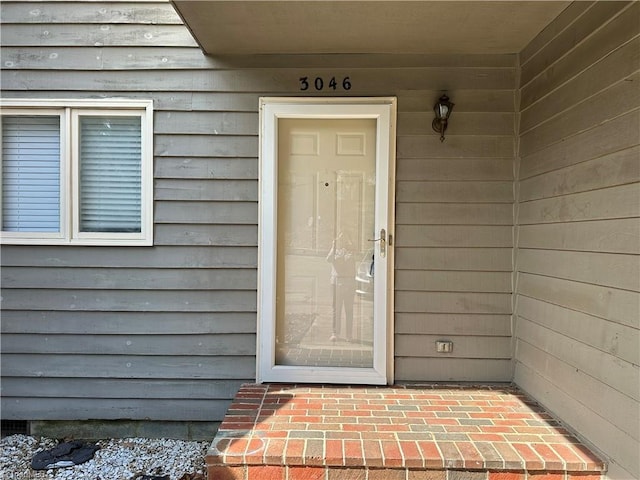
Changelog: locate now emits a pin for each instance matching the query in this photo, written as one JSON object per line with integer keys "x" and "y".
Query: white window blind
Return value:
{"x": 30, "y": 173}
{"x": 110, "y": 173}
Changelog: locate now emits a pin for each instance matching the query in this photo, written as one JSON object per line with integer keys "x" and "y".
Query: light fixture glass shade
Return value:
{"x": 442, "y": 110}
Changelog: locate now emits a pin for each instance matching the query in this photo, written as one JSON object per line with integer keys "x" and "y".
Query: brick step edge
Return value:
{"x": 281, "y": 472}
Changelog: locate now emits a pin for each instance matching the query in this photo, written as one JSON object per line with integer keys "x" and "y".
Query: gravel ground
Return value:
{"x": 117, "y": 459}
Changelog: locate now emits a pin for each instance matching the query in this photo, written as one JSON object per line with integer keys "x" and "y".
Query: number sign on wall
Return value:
{"x": 320, "y": 83}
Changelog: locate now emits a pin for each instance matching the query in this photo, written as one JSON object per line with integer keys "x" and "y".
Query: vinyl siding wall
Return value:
{"x": 163, "y": 333}
{"x": 168, "y": 332}
{"x": 578, "y": 233}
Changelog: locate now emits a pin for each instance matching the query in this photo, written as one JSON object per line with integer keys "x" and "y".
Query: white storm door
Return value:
{"x": 326, "y": 232}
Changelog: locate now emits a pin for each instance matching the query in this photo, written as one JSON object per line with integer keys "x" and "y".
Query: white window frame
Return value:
{"x": 68, "y": 111}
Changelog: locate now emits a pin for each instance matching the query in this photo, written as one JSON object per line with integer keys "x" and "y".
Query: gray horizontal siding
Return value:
{"x": 471, "y": 324}
{"x": 105, "y": 397}
{"x": 121, "y": 388}
{"x": 131, "y": 366}
{"x": 88, "y": 12}
{"x": 220, "y": 168}
{"x": 175, "y": 52}
{"x": 416, "y": 369}
{"x": 145, "y": 344}
{"x": 169, "y": 332}
{"x": 130, "y": 300}
{"x": 470, "y": 346}
{"x": 210, "y": 189}
{"x": 602, "y": 204}
{"x": 271, "y": 81}
{"x": 608, "y": 170}
{"x": 415, "y": 100}
{"x": 133, "y": 323}
{"x": 606, "y": 236}
{"x": 74, "y": 409}
{"x": 212, "y": 235}
{"x": 461, "y": 169}
{"x": 443, "y": 258}
{"x": 578, "y": 293}
{"x": 454, "y": 238}
{"x": 612, "y": 304}
{"x": 129, "y": 278}
{"x": 414, "y": 280}
{"x": 586, "y": 144}
{"x": 181, "y": 256}
{"x": 454, "y": 192}
{"x": 98, "y": 35}
{"x": 459, "y": 214}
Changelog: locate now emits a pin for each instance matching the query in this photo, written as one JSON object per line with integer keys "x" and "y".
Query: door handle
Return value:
{"x": 383, "y": 242}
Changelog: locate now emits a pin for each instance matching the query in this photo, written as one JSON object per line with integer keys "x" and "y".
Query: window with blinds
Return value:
{"x": 110, "y": 174}
{"x": 77, "y": 172}
{"x": 30, "y": 173}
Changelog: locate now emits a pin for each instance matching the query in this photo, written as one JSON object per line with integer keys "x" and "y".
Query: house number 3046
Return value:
{"x": 319, "y": 83}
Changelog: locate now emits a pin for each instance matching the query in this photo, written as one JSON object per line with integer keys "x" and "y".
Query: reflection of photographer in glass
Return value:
{"x": 343, "y": 282}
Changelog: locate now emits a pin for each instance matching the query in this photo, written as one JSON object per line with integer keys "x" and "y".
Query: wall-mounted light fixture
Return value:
{"x": 443, "y": 110}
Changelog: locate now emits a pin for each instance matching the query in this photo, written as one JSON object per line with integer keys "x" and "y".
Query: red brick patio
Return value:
{"x": 404, "y": 432}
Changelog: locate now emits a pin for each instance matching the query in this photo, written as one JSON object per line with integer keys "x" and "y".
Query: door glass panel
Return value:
{"x": 325, "y": 224}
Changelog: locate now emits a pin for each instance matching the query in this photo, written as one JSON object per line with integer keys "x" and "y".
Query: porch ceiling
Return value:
{"x": 224, "y": 27}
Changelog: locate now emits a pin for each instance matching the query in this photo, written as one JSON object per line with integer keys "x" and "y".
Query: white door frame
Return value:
{"x": 383, "y": 110}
